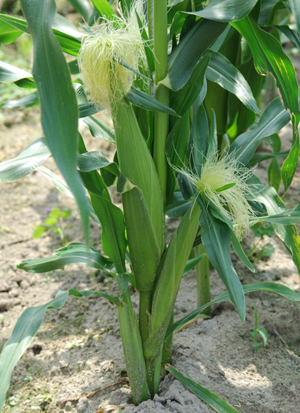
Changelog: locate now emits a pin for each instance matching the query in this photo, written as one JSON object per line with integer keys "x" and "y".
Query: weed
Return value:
{"x": 256, "y": 332}
{"x": 55, "y": 223}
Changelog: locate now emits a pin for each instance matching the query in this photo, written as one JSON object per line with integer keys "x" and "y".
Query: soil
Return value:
{"x": 78, "y": 348}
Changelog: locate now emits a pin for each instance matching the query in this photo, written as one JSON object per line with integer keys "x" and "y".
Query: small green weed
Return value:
{"x": 256, "y": 332}
{"x": 55, "y": 223}
{"x": 257, "y": 251}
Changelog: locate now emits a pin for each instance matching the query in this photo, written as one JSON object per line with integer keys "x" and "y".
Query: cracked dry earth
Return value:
{"x": 78, "y": 349}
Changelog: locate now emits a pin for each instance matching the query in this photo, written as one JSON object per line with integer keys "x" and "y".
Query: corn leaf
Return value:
{"x": 111, "y": 218}
{"x": 97, "y": 128}
{"x": 104, "y": 9}
{"x": 25, "y": 330}
{"x": 186, "y": 55}
{"x": 73, "y": 253}
{"x": 90, "y": 161}
{"x": 70, "y": 43}
{"x": 25, "y": 102}
{"x": 221, "y": 71}
{"x": 295, "y": 6}
{"x": 234, "y": 239}
{"x": 272, "y": 120}
{"x": 269, "y": 287}
{"x": 147, "y": 102}
{"x": 270, "y": 58}
{"x": 179, "y": 206}
{"x": 199, "y": 135}
{"x": 59, "y": 110}
{"x": 226, "y": 10}
{"x": 292, "y": 35}
{"x": 290, "y": 216}
{"x": 290, "y": 164}
{"x": 274, "y": 205}
{"x": 192, "y": 263}
{"x": 214, "y": 401}
{"x": 64, "y": 189}
{"x": 216, "y": 240}
{"x": 82, "y": 7}
{"x": 8, "y": 33}
{"x": 10, "y": 73}
{"x": 182, "y": 100}
{"x": 28, "y": 160}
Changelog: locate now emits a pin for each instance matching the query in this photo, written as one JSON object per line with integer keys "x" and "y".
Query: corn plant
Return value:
{"x": 181, "y": 80}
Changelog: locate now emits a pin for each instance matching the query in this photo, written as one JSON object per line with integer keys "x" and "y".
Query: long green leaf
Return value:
{"x": 25, "y": 330}
{"x": 91, "y": 161}
{"x": 182, "y": 100}
{"x": 234, "y": 239}
{"x": 272, "y": 120}
{"x": 70, "y": 43}
{"x": 59, "y": 111}
{"x": 290, "y": 164}
{"x": 73, "y": 253}
{"x": 97, "y": 128}
{"x": 147, "y": 102}
{"x": 28, "y": 160}
{"x": 274, "y": 205}
{"x": 270, "y": 58}
{"x": 220, "y": 70}
{"x": 292, "y": 35}
{"x": 25, "y": 102}
{"x": 226, "y": 10}
{"x": 295, "y": 6}
{"x": 10, "y": 73}
{"x": 82, "y": 7}
{"x": 8, "y": 33}
{"x": 214, "y": 401}
{"x": 216, "y": 240}
{"x": 184, "y": 58}
{"x": 268, "y": 287}
{"x": 104, "y": 9}
{"x": 64, "y": 189}
{"x": 290, "y": 216}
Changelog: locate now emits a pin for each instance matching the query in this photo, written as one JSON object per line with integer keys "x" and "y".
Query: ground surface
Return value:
{"x": 78, "y": 349}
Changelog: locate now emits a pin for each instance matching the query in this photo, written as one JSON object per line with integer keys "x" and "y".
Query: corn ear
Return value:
{"x": 137, "y": 165}
{"x": 169, "y": 279}
{"x": 143, "y": 246}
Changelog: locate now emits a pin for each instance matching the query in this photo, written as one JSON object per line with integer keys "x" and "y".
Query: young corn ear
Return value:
{"x": 169, "y": 279}
{"x": 137, "y": 165}
{"x": 102, "y": 54}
